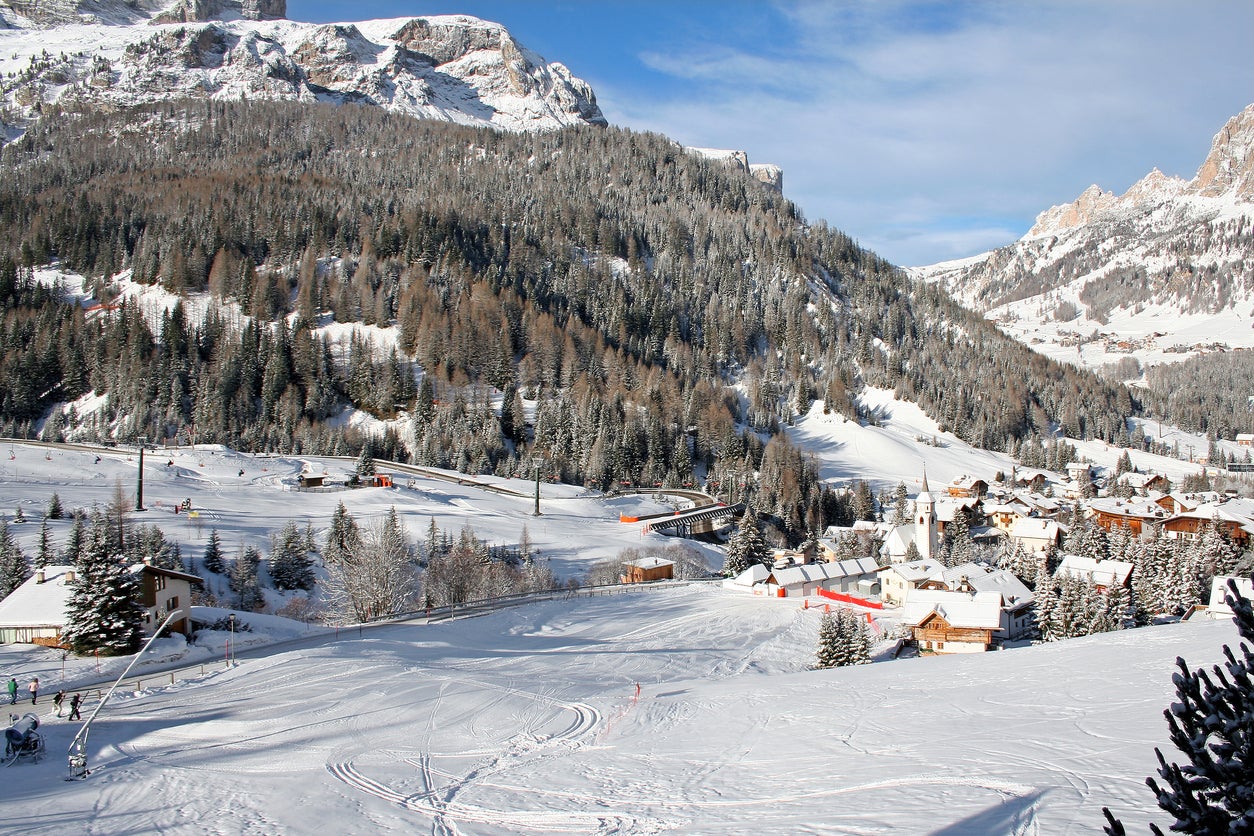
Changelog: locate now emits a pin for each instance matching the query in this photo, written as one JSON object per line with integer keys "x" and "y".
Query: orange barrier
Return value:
{"x": 848, "y": 599}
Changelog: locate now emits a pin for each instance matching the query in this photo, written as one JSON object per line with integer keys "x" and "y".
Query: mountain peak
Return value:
{"x": 115, "y": 53}
{"x": 1229, "y": 167}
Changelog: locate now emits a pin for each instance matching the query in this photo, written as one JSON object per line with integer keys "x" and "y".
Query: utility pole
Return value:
{"x": 139, "y": 490}
{"x": 537, "y": 511}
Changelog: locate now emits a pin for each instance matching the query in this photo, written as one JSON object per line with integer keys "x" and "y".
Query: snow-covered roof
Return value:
{"x": 981, "y": 611}
{"x": 917, "y": 570}
{"x": 1219, "y": 590}
{"x": 1034, "y": 528}
{"x": 753, "y": 575}
{"x": 1101, "y": 572}
{"x": 811, "y": 572}
{"x": 35, "y": 604}
{"x": 650, "y": 563}
{"x": 1014, "y": 594}
{"x": 1115, "y": 506}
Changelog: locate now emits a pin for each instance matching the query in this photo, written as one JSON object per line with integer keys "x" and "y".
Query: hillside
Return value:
{"x": 526, "y": 721}
{"x": 638, "y": 294}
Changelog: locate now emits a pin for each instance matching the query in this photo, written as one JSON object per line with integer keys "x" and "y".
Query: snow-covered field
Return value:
{"x": 247, "y": 497}
{"x": 527, "y": 721}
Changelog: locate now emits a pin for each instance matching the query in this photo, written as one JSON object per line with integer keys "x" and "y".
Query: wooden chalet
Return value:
{"x": 1111, "y": 513}
{"x": 647, "y": 569}
{"x": 967, "y": 487}
{"x": 953, "y": 622}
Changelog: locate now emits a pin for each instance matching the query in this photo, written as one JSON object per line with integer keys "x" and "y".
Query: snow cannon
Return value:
{"x": 22, "y": 739}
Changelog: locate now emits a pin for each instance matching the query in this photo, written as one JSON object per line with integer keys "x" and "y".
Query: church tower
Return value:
{"x": 925, "y": 522}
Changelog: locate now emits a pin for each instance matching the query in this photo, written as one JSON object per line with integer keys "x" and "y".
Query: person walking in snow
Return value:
{"x": 12, "y": 691}
{"x": 57, "y": 700}
{"x": 74, "y": 703}
{"x": 34, "y": 690}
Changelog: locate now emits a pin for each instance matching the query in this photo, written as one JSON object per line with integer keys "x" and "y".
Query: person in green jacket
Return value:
{"x": 12, "y": 691}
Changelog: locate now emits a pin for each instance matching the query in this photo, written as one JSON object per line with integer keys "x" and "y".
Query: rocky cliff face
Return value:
{"x": 1166, "y": 243}
{"x": 452, "y": 68}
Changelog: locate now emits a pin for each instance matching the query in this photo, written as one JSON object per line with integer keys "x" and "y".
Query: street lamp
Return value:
{"x": 230, "y": 643}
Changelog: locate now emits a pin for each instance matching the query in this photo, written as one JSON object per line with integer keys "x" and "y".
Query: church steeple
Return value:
{"x": 925, "y": 522}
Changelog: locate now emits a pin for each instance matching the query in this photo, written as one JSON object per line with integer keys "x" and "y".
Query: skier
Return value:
{"x": 74, "y": 703}
{"x": 34, "y": 690}
{"x": 57, "y": 700}
{"x": 12, "y": 691}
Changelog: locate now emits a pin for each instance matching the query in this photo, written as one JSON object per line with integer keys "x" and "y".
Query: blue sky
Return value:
{"x": 926, "y": 130}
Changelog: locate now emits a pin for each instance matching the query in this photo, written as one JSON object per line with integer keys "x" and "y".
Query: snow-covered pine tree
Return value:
{"x": 1046, "y": 601}
{"x": 1212, "y": 724}
{"x": 212, "y": 560}
{"x": 747, "y": 546}
{"x": 959, "y": 548}
{"x": 365, "y": 461}
{"x": 828, "y": 653}
{"x": 55, "y": 511}
{"x": 290, "y": 566}
{"x": 858, "y": 640}
{"x": 14, "y": 569}
{"x": 343, "y": 536}
{"x": 243, "y": 580}
{"x": 104, "y": 612}
{"x": 75, "y": 543}
{"x": 45, "y": 555}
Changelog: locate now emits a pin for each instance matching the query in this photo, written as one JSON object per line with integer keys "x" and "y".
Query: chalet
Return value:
{"x": 35, "y": 611}
{"x": 646, "y": 569}
{"x": 165, "y": 591}
{"x": 1032, "y": 480}
{"x": 1004, "y": 515}
{"x": 312, "y": 480}
{"x": 1111, "y": 513}
{"x": 1190, "y": 524}
{"x": 1080, "y": 472}
{"x": 953, "y": 622}
{"x": 967, "y": 487}
{"x": 1101, "y": 573}
{"x": 1036, "y": 535}
{"x": 898, "y": 580}
{"x": 1143, "y": 483}
{"x": 1245, "y": 439}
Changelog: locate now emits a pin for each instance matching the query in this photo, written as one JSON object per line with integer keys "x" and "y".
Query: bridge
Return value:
{"x": 687, "y": 523}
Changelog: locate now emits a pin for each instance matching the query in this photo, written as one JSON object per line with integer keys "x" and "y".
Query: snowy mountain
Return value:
{"x": 453, "y": 68}
{"x": 1160, "y": 272}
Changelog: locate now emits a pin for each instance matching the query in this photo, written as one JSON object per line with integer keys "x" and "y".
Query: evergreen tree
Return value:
{"x": 104, "y": 612}
{"x": 55, "y": 511}
{"x": 1212, "y": 725}
{"x": 213, "y": 561}
{"x": 75, "y": 543}
{"x": 959, "y": 547}
{"x": 14, "y": 569}
{"x": 747, "y": 546}
{"x": 342, "y": 536}
{"x": 365, "y": 461}
{"x": 45, "y": 556}
{"x": 830, "y": 650}
{"x": 290, "y": 566}
{"x": 244, "y": 583}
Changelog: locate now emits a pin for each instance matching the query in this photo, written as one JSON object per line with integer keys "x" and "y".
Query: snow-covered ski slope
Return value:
{"x": 526, "y": 721}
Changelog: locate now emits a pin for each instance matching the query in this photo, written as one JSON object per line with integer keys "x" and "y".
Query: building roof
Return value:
{"x": 981, "y": 611}
{"x": 917, "y": 570}
{"x": 811, "y": 572}
{"x": 35, "y": 604}
{"x": 1100, "y": 572}
{"x": 753, "y": 575}
{"x": 1140, "y": 508}
{"x": 645, "y": 563}
{"x": 1035, "y": 528}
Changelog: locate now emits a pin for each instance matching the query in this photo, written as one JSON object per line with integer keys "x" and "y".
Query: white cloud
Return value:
{"x": 927, "y": 134}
